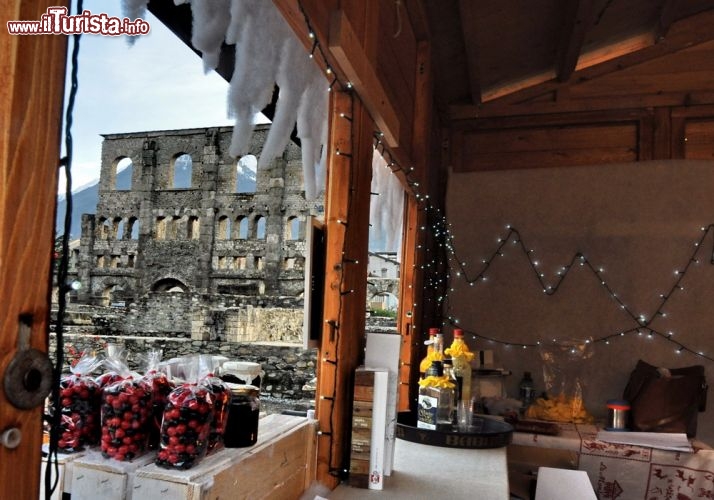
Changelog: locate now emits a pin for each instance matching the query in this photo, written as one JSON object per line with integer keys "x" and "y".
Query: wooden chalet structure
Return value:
{"x": 451, "y": 85}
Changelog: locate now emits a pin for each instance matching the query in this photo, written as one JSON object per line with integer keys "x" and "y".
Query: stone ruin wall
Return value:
{"x": 260, "y": 318}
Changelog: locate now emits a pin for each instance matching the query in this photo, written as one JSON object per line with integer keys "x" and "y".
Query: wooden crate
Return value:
{"x": 65, "y": 470}
{"x": 98, "y": 477}
{"x": 278, "y": 466}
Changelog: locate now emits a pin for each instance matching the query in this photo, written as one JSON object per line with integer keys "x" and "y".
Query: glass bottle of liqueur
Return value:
{"x": 526, "y": 390}
{"x": 461, "y": 357}
{"x": 434, "y": 350}
{"x": 436, "y": 398}
{"x": 449, "y": 374}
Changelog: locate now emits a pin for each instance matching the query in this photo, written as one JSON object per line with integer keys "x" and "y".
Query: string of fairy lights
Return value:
{"x": 333, "y": 325}
{"x": 441, "y": 263}
{"x": 445, "y": 257}
{"x": 642, "y": 323}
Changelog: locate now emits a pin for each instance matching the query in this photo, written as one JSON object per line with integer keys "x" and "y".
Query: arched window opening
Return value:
{"x": 182, "y": 171}
{"x": 107, "y": 294}
{"x": 130, "y": 261}
{"x": 192, "y": 229}
{"x": 292, "y": 228}
{"x": 119, "y": 229}
{"x": 106, "y": 229}
{"x": 260, "y": 227}
{"x": 123, "y": 171}
{"x": 161, "y": 228}
{"x": 169, "y": 285}
{"x": 258, "y": 263}
{"x": 384, "y": 302}
{"x": 223, "y": 231}
{"x": 246, "y": 174}
{"x": 242, "y": 228}
{"x": 99, "y": 228}
{"x": 133, "y": 228}
{"x": 174, "y": 228}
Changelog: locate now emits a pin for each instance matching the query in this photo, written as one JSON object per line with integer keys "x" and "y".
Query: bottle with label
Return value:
{"x": 426, "y": 362}
{"x": 461, "y": 356}
{"x": 436, "y": 398}
{"x": 526, "y": 390}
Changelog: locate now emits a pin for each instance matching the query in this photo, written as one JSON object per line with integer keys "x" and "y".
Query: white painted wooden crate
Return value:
{"x": 278, "y": 466}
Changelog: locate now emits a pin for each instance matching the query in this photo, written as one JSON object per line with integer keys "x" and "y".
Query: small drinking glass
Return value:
{"x": 465, "y": 415}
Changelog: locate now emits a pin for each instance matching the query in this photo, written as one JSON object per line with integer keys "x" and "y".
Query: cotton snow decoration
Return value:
{"x": 387, "y": 208}
{"x": 267, "y": 53}
{"x": 133, "y": 9}
{"x": 210, "y": 22}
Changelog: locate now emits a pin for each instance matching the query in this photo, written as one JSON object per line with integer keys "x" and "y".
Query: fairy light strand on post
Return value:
{"x": 335, "y": 324}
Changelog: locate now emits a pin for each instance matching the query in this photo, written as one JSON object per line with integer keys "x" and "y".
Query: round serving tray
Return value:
{"x": 485, "y": 433}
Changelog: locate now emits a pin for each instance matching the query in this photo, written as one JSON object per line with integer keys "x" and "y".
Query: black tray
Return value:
{"x": 485, "y": 433}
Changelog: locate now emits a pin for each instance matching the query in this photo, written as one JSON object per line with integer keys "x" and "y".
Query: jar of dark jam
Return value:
{"x": 242, "y": 426}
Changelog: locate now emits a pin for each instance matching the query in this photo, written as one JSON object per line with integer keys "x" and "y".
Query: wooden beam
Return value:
{"x": 683, "y": 34}
{"x": 516, "y": 87}
{"x": 632, "y": 44}
{"x": 417, "y": 18}
{"x": 667, "y": 15}
{"x": 32, "y": 74}
{"x": 662, "y": 133}
{"x": 347, "y": 225}
{"x": 360, "y": 72}
{"x": 467, "y": 9}
{"x": 409, "y": 321}
{"x": 470, "y": 112}
{"x": 578, "y": 19}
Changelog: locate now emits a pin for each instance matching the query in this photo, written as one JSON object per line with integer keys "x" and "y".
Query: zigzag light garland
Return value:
{"x": 643, "y": 323}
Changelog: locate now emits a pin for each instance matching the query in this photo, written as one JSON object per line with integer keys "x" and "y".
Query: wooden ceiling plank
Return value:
{"x": 468, "y": 14}
{"x": 578, "y": 20}
{"x": 684, "y": 33}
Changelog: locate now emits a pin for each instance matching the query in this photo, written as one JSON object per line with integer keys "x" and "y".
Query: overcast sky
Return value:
{"x": 156, "y": 84}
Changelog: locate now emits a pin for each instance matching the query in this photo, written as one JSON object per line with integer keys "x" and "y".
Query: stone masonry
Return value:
{"x": 181, "y": 258}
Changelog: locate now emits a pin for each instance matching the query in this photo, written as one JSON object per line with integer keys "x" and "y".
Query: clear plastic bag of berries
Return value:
{"x": 221, "y": 401}
{"x": 186, "y": 424}
{"x": 79, "y": 401}
{"x": 126, "y": 416}
{"x": 115, "y": 365}
{"x": 157, "y": 378}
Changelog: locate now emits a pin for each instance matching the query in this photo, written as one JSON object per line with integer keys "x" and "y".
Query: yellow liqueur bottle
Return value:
{"x": 461, "y": 357}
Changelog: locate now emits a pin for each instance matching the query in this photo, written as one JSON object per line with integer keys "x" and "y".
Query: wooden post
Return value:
{"x": 347, "y": 225}
{"x": 31, "y": 90}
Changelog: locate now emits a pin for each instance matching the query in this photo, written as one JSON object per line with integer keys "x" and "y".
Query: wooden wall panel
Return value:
{"x": 699, "y": 139}
{"x": 552, "y": 146}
